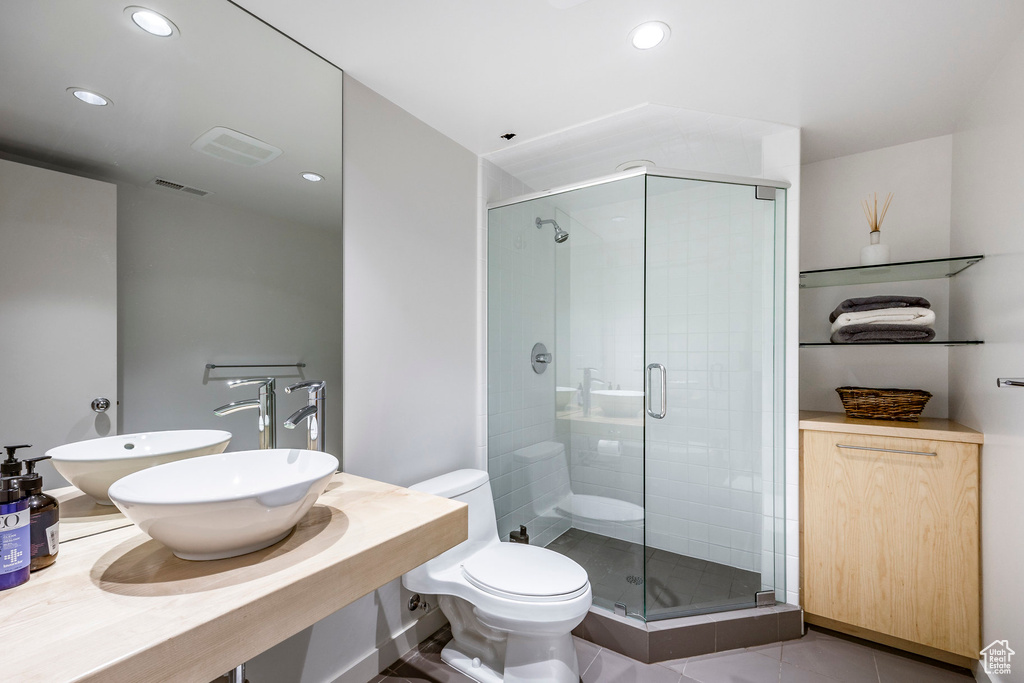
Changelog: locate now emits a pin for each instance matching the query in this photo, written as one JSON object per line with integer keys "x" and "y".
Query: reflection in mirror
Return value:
{"x": 179, "y": 224}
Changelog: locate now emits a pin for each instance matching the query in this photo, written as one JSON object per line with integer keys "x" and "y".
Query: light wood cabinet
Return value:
{"x": 890, "y": 532}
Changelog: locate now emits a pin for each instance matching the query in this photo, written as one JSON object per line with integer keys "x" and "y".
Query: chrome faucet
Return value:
{"x": 588, "y": 384}
{"x": 265, "y": 403}
{"x": 312, "y": 411}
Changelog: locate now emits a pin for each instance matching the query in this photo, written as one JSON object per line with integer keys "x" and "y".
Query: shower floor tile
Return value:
{"x": 673, "y": 583}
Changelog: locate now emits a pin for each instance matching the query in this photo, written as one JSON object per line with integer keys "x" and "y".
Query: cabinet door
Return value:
{"x": 890, "y": 540}
{"x": 58, "y": 309}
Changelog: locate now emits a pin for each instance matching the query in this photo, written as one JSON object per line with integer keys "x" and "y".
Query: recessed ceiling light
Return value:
{"x": 151, "y": 22}
{"x": 90, "y": 97}
{"x": 649, "y": 34}
{"x": 313, "y": 177}
{"x": 635, "y": 163}
{"x": 618, "y": 219}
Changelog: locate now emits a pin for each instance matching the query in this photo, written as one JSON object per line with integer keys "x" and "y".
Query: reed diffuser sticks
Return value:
{"x": 871, "y": 212}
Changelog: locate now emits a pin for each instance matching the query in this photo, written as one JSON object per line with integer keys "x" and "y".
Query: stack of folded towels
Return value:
{"x": 883, "y": 319}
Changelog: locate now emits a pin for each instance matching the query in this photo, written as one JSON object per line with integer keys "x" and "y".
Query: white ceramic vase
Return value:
{"x": 875, "y": 253}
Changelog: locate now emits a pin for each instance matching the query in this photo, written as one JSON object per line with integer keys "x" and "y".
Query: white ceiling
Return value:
{"x": 855, "y": 75}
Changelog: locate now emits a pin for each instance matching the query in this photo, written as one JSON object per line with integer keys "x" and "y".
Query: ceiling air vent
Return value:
{"x": 167, "y": 184}
{"x": 237, "y": 148}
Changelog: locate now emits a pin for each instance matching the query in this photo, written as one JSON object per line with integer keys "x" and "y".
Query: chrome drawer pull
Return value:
{"x": 883, "y": 450}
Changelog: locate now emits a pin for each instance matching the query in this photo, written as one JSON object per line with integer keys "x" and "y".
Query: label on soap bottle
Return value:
{"x": 14, "y": 541}
{"x": 52, "y": 538}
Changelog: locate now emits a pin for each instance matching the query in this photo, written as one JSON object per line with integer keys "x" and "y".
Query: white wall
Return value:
{"x": 985, "y": 301}
{"x": 200, "y": 283}
{"x": 916, "y": 227}
{"x": 410, "y": 304}
{"x": 410, "y": 294}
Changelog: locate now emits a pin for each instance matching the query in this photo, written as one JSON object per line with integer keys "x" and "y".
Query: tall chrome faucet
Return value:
{"x": 265, "y": 403}
{"x": 588, "y": 385}
{"x": 312, "y": 411}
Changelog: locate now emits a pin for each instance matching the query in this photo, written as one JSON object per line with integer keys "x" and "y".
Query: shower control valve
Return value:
{"x": 540, "y": 358}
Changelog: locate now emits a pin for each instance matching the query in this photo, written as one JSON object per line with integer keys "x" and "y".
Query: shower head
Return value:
{"x": 560, "y": 235}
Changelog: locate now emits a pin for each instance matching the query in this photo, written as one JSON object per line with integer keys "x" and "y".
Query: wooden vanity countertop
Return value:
{"x": 118, "y": 606}
{"x": 930, "y": 428}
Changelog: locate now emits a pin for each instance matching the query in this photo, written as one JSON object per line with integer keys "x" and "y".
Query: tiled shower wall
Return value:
{"x": 520, "y": 312}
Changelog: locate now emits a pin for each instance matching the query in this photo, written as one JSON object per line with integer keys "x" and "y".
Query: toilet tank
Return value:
{"x": 466, "y": 486}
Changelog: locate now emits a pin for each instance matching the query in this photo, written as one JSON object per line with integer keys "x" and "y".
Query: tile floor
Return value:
{"x": 818, "y": 657}
{"x": 675, "y": 584}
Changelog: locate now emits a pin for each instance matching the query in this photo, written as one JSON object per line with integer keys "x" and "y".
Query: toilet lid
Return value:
{"x": 525, "y": 572}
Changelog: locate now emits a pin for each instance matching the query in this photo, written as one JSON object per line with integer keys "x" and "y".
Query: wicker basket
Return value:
{"x": 883, "y": 404}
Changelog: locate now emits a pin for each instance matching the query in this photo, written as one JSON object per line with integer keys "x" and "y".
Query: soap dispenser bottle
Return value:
{"x": 15, "y": 552}
{"x": 11, "y": 467}
{"x": 44, "y": 515}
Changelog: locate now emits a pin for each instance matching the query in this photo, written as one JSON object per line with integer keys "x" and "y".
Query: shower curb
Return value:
{"x": 659, "y": 641}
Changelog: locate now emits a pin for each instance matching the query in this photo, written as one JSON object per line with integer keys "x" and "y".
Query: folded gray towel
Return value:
{"x": 874, "y": 303}
{"x": 887, "y": 332}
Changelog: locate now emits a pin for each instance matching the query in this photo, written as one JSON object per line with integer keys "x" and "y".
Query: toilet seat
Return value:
{"x": 525, "y": 573}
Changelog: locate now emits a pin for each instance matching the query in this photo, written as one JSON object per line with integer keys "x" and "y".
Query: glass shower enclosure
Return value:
{"x": 635, "y": 385}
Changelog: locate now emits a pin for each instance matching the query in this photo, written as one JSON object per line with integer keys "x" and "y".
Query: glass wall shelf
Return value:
{"x": 967, "y": 342}
{"x": 889, "y": 272}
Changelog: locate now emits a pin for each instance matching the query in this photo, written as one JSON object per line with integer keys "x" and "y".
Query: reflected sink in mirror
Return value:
{"x": 224, "y": 505}
{"x": 564, "y": 397}
{"x": 618, "y": 402}
{"x": 92, "y": 466}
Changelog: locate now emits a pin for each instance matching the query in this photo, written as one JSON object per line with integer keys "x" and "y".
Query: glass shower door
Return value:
{"x": 711, "y": 417}
{"x": 565, "y": 446}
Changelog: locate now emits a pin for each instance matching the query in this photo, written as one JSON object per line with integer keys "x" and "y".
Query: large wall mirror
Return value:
{"x": 174, "y": 226}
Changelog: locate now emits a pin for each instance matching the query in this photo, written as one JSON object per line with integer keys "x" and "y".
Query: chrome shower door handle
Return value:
{"x": 650, "y": 390}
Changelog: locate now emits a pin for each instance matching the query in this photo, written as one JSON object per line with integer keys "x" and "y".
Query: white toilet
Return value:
{"x": 511, "y": 606}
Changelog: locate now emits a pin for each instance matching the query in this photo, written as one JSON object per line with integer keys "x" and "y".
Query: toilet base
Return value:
{"x": 471, "y": 666}
{"x": 527, "y": 659}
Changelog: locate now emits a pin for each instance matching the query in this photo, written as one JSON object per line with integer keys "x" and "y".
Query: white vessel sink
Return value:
{"x": 224, "y": 505}
{"x": 563, "y": 397}
{"x": 93, "y": 465}
{"x": 618, "y": 402}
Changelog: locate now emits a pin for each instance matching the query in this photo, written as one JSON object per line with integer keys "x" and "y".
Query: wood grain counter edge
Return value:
{"x": 929, "y": 428}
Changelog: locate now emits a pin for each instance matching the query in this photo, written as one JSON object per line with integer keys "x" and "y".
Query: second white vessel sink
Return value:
{"x": 619, "y": 402}
{"x": 93, "y": 465}
{"x": 563, "y": 397}
{"x": 224, "y": 505}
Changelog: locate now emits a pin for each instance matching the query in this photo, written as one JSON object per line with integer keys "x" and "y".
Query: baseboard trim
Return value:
{"x": 892, "y": 641}
{"x": 389, "y": 652}
{"x": 981, "y": 677}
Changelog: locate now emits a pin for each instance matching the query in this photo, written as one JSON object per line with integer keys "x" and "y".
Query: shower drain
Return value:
{"x": 635, "y": 580}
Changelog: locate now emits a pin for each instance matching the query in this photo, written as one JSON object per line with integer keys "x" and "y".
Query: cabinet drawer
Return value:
{"x": 890, "y": 536}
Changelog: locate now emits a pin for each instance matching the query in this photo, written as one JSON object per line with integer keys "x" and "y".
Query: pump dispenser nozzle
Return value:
{"x": 32, "y": 482}
{"x": 11, "y": 467}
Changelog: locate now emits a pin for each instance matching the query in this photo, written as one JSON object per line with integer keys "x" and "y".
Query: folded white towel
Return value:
{"x": 925, "y": 317}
